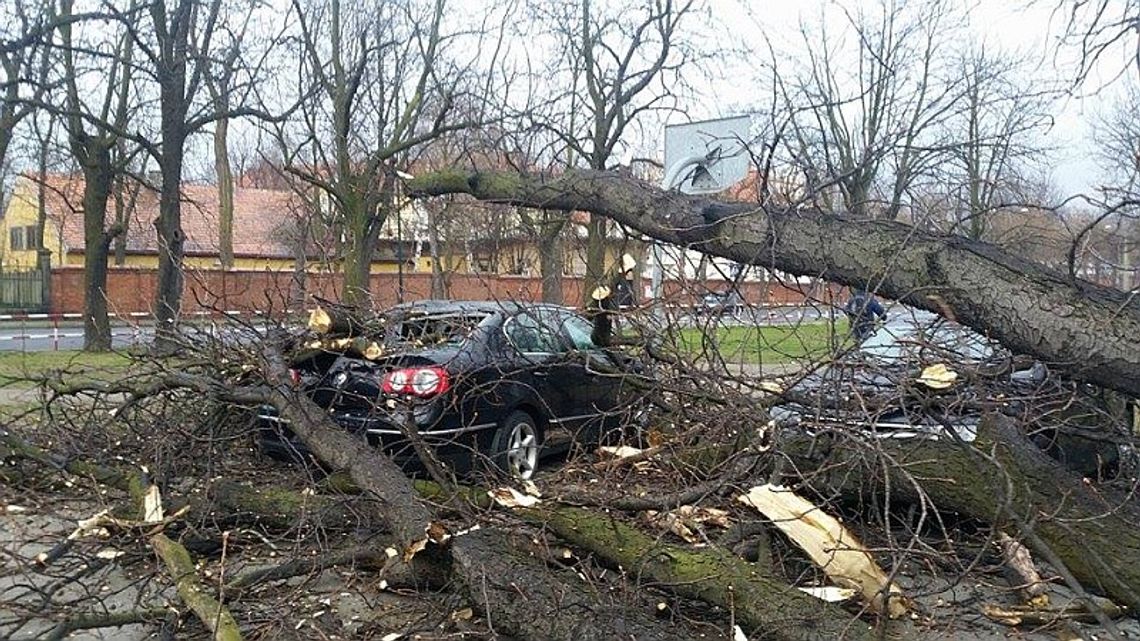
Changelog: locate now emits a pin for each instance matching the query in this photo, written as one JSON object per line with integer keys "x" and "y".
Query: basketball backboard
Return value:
{"x": 721, "y": 147}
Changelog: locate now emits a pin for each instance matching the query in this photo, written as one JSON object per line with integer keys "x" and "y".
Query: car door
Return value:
{"x": 599, "y": 385}
{"x": 536, "y": 367}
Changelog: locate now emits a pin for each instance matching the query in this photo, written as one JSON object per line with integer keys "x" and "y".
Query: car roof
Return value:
{"x": 439, "y": 306}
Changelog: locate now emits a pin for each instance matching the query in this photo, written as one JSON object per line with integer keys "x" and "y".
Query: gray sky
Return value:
{"x": 1027, "y": 28}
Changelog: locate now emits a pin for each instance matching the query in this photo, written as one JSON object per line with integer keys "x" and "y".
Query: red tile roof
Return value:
{"x": 262, "y": 218}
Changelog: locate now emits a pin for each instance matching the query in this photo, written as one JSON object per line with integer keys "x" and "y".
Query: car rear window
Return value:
{"x": 436, "y": 329}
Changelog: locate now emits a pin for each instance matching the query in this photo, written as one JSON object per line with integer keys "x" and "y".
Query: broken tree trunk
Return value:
{"x": 1089, "y": 329}
{"x": 1004, "y": 479}
{"x": 519, "y": 593}
{"x": 227, "y": 502}
{"x": 528, "y": 601}
{"x": 761, "y": 602}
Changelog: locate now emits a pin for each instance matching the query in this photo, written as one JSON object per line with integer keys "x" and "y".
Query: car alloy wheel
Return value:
{"x": 516, "y": 446}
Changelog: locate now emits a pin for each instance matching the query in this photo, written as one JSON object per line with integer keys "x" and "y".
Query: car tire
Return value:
{"x": 516, "y": 446}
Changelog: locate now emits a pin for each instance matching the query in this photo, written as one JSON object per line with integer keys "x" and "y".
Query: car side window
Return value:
{"x": 579, "y": 331}
{"x": 530, "y": 336}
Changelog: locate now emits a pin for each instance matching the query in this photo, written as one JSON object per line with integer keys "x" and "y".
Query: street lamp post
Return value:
{"x": 399, "y": 258}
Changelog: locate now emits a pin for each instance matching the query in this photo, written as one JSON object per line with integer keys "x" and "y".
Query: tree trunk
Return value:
{"x": 525, "y": 597}
{"x": 761, "y": 602}
{"x": 438, "y": 284}
{"x": 550, "y": 259}
{"x": 98, "y": 176}
{"x": 1000, "y": 478}
{"x": 1086, "y": 329}
{"x": 225, "y": 194}
{"x": 168, "y": 291}
{"x": 595, "y": 256}
{"x": 174, "y": 104}
{"x": 358, "y": 268}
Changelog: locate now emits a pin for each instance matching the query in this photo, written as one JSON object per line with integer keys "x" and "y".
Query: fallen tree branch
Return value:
{"x": 372, "y": 557}
{"x": 768, "y": 605}
{"x": 1087, "y": 328}
{"x": 1000, "y": 478}
{"x": 93, "y": 621}
{"x": 215, "y": 616}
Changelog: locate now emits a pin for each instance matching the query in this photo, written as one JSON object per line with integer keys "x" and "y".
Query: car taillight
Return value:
{"x": 423, "y": 382}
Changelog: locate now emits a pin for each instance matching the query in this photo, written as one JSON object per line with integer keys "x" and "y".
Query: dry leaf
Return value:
{"x": 772, "y": 387}
{"x": 510, "y": 497}
{"x": 830, "y": 593}
{"x": 319, "y": 321}
{"x": 620, "y": 451}
{"x": 830, "y": 545}
{"x": 414, "y": 549}
{"x": 938, "y": 376}
{"x": 686, "y": 520}
{"x": 437, "y": 532}
{"x": 703, "y": 515}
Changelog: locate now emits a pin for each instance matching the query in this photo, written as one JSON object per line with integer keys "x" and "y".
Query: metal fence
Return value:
{"x": 22, "y": 290}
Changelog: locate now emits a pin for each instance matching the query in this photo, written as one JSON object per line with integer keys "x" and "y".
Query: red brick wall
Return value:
{"x": 131, "y": 290}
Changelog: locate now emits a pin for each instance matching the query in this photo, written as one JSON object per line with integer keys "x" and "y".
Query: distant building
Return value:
{"x": 266, "y": 228}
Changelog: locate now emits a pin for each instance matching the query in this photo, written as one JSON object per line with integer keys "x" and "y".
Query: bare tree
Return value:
{"x": 621, "y": 64}
{"x": 94, "y": 141}
{"x": 992, "y": 136}
{"x": 1101, "y": 30}
{"x": 1117, "y": 136}
{"x": 220, "y": 84}
{"x": 860, "y": 113}
{"x": 175, "y": 44}
{"x": 22, "y": 65}
{"x": 376, "y": 84}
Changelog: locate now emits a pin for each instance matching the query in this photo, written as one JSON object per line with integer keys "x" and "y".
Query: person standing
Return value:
{"x": 863, "y": 311}
{"x": 623, "y": 283}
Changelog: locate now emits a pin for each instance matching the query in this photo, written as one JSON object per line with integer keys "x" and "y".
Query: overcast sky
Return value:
{"x": 1028, "y": 28}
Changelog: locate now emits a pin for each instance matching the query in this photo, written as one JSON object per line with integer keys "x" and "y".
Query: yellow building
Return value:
{"x": 269, "y": 229}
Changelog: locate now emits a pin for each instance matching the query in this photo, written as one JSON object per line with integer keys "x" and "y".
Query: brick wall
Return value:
{"x": 131, "y": 289}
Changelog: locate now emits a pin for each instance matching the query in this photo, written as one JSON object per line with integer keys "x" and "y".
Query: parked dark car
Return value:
{"x": 725, "y": 302}
{"x": 499, "y": 383}
{"x": 922, "y": 376}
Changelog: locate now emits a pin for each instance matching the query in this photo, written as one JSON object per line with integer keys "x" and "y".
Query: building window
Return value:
{"x": 17, "y": 241}
{"x": 31, "y": 233}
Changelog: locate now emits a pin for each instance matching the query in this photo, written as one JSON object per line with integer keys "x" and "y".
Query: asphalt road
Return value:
{"x": 41, "y": 337}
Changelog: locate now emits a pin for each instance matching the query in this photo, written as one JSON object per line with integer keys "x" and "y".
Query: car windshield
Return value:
{"x": 926, "y": 339}
{"x": 437, "y": 329}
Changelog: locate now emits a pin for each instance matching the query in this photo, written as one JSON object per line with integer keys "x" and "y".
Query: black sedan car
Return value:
{"x": 501, "y": 384}
{"x": 922, "y": 376}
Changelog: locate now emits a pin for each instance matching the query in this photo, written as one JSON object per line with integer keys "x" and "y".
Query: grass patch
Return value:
{"x": 766, "y": 344}
{"x": 19, "y": 368}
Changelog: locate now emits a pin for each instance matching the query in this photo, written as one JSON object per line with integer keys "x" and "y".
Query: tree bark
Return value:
{"x": 1000, "y": 478}
{"x": 225, "y": 193}
{"x": 1087, "y": 329}
{"x": 595, "y": 256}
{"x": 98, "y": 176}
{"x": 759, "y": 601}
{"x": 174, "y": 100}
{"x": 193, "y": 592}
{"x": 550, "y": 259}
{"x": 524, "y": 597}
